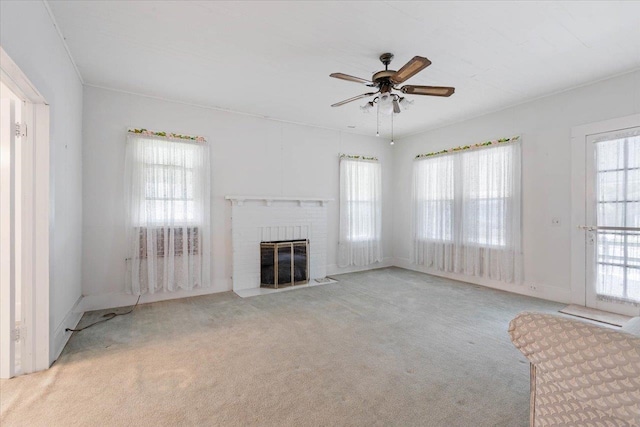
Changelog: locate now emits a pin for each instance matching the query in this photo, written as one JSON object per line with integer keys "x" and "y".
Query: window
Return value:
{"x": 487, "y": 190}
{"x": 167, "y": 180}
{"x": 168, "y": 173}
{"x": 360, "y": 212}
{"x": 433, "y": 180}
{"x": 467, "y": 211}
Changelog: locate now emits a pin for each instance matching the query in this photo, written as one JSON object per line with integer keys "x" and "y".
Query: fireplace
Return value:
{"x": 273, "y": 219}
{"x": 284, "y": 263}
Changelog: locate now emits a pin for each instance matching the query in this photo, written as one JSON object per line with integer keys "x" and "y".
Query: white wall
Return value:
{"x": 29, "y": 37}
{"x": 545, "y": 125}
{"x": 249, "y": 156}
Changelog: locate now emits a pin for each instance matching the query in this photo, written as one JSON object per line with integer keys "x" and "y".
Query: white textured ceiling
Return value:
{"x": 274, "y": 58}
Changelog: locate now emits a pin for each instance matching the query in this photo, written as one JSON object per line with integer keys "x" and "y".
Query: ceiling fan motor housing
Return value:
{"x": 382, "y": 75}
{"x": 382, "y": 78}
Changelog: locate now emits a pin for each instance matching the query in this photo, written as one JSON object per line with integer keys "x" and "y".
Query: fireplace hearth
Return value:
{"x": 284, "y": 263}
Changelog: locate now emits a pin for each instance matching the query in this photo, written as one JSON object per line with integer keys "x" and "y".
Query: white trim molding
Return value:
{"x": 334, "y": 269}
{"x": 61, "y": 336}
{"x": 122, "y": 299}
{"x": 537, "y": 290}
{"x": 62, "y": 39}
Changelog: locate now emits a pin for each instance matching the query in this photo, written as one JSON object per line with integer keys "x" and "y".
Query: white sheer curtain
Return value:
{"x": 467, "y": 212}
{"x": 360, "y": 212}
{"x": 167, "y": 185}
{"x": 618, "y": 205}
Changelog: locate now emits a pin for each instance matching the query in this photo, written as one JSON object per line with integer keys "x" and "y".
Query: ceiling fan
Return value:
{"x": 386, "y": 82}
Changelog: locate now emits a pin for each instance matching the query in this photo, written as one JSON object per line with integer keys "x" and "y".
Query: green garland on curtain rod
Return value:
{"x": 354, "y": 157}
{"x": 469, "y": 147}
{"x": 146, "y": 132}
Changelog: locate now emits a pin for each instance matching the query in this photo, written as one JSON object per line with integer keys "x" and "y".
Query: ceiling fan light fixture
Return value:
{"x": 385, "y": 104}
{"x": 366, "y": 108}
{"x": 405, "y": 103}
{"x": 396, "y": 106}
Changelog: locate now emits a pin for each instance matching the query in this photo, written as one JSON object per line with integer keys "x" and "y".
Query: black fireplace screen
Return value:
{"x": 284, "y": 263}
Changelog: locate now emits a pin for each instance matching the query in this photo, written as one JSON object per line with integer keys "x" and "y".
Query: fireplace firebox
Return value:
{"x": 284, "y": 263}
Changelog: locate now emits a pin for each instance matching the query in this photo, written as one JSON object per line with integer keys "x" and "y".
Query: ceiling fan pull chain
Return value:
{"x": 391, "y": 143}
{"x": 377, "y": 119}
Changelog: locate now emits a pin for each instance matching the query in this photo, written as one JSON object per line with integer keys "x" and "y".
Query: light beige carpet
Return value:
{"x": 384, "y": 347}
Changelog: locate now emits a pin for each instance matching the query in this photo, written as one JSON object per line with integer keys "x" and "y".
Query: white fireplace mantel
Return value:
{"x": 268, "y": 200}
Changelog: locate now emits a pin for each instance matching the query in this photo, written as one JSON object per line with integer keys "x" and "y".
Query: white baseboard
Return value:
{"x": 60, "y": 336}
{"x": 122, "y": 299}
{"x": 551, "y": 293}
{"x": 334, "y": 269}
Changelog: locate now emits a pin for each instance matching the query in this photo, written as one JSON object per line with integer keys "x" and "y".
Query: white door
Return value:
{"x": 613, "y": 219}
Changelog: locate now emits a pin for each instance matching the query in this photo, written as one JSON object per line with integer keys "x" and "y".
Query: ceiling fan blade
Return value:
{"x": 350, "y": 78}
{"x": 428, "y": 90}
{"x": 410, "y": 69}
{"x": 396, "y": 106}
{"x": 355, "y": 98}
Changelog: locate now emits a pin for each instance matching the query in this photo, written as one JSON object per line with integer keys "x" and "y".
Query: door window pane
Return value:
{"x": 633, "y": 145}
{"x": 611, "y": 214}
{"x": 611, "y": 280}
{"x": 611, "y": 186}
{"x": 618, "y": 205}
{"x": 610, "y": 155}
{"x": 633, "y": 184}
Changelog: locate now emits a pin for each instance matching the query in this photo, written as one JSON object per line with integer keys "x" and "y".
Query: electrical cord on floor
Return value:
{"x": 107, "y": 316}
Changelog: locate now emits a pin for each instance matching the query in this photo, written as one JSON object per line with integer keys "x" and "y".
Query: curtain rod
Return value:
{"x": 469, "y": 147}
{"x": 357, "y": 157}
{"x": 168, "y": 135}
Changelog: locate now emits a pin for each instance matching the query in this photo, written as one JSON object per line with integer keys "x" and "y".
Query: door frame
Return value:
{"x": 579, "y": 265}
{"x": 35, "y": 216}
{"x": 8, "y": 242}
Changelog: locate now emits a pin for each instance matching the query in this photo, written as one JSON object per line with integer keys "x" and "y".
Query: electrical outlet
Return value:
{"x": 555, "y": 222}
{"x": 533, "y": 288}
